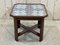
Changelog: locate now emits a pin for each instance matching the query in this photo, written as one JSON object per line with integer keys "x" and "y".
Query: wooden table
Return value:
{"x": 22, "y": 11}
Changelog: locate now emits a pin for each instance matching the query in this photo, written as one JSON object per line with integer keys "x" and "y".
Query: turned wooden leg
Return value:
{"x": 18, "y": 23}
{"x": 15, "y": 29}
{"x": 41, "y": 25}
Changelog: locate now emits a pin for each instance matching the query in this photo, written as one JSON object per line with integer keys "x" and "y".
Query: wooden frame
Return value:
{"x": 40, "y": 24}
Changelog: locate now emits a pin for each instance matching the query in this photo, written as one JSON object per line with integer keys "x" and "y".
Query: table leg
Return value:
{"x": 41, "y": 25}
{"x": 18, "y": 23}
{"x": 38, "y": 23}
{"x": 16, "y": 29}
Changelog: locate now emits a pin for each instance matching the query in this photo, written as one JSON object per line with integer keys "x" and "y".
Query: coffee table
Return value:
{"x": 22, "y": 11}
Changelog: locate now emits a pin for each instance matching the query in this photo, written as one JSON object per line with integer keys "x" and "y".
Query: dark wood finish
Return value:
{"x": 16, "y": 29}
{"x": 30, "y": 29}
{"x": 40, "y": 24}
{"x": 18, "y": 23}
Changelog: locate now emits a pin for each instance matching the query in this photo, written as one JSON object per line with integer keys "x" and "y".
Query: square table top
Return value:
{"x": 21, "y": 9}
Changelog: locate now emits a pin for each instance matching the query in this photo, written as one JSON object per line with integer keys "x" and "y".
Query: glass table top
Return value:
{"x": 28, "y": 10}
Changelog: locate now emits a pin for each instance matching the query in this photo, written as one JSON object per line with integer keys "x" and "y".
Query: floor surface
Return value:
{"x": 51, "y": 33}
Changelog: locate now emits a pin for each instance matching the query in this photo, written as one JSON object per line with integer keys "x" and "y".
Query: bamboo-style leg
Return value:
{"x": 15, "y": 29}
